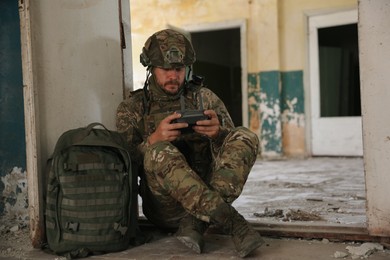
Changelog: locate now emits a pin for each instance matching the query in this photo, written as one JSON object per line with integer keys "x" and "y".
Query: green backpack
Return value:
{"x": 91, "y": 196}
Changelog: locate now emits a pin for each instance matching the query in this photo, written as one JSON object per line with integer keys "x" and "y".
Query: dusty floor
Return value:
{"x": 327, "y": 189}
{"x": 318, "y": 191}
{"x": 15, "y": 245}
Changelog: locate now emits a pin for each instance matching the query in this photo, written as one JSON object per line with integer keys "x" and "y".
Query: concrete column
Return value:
{"x": 374, "y": 44}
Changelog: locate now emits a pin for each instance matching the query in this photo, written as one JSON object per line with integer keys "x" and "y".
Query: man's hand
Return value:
{"x": 208, "y": 127}
{"x": 167, "y": 131}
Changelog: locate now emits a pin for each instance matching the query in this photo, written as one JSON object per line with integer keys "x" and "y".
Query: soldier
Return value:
{"x": 191, "y": 173}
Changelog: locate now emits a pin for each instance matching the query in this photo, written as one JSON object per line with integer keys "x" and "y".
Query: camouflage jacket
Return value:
{"x": 139, "y": 115}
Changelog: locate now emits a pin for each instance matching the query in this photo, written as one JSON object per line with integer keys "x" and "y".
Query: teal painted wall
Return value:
{"x": 278, "y": 98}
{"x": 12, "y": 134}
{"x": 292, "y": 95}
{"x": 271, "y": 132}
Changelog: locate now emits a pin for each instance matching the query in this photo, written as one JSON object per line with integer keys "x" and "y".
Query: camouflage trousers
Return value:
{"x": 171, "y": 188}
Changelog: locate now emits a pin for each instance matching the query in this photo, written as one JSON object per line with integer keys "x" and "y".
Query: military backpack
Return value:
{"x": 91, "y": 196}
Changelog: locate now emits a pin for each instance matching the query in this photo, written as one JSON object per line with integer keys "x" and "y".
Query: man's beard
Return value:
{"x": 171, "y": 82}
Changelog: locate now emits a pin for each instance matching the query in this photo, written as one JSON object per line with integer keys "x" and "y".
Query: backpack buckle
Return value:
{"x": 120, "y": 228}
{"x": 72, "y": 226}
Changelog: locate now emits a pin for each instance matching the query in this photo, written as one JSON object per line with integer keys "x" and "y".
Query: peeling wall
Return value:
{"x": 13, "y": 191}
{"x": 14, "y": 194}
{"x": 293, "y": 113}
{"x": 271, "y": 134}
{"x": 276, "y": 101}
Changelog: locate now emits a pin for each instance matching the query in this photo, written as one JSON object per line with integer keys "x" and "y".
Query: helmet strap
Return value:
{"x": 188, "y": 73}
{"x": 146, "y": 96}
{"x": 148, "y": 73}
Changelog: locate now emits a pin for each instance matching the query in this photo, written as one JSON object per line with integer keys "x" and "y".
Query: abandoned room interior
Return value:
{"x": 309, "y": 77}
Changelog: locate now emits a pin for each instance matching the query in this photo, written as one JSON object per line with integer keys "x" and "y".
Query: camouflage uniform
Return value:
{"x": 191, "y": 181}
{"x": 194, "y": 173}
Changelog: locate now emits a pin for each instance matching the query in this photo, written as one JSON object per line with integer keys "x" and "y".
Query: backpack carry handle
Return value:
{"x": 92, "y": 125}
{"x": 87, "y": 131}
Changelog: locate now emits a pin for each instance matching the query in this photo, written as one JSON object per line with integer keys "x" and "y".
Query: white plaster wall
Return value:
{"x": 77, "y": 65}
{"x": 73, "y": 75}
{"x": 293, "y": 27}
{"x": 374, "y": 44}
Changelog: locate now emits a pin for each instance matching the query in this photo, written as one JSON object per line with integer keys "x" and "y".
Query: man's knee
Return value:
{"x": 247, "y": 135}
{"x": 228, "y": 183}
{"x": 243, "y": 139}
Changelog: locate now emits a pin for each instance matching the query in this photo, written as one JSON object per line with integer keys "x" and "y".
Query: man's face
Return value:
{"x": 170, "y": 80}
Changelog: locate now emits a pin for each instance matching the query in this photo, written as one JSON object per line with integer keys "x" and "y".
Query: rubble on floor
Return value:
{"x": 297, "y": 215}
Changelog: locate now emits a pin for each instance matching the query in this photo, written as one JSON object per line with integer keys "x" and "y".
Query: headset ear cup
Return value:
{"x": 144, "y": 59}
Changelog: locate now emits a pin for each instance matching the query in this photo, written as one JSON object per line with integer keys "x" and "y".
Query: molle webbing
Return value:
{"x": 92, "y": 166}
{"x": 90, "y": 193}
{"x": 88, "y": 239}
{"x": 91, "y": 202}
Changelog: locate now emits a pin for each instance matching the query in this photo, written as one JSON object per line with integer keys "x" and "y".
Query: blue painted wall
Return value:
{"x": 12, "y": 133}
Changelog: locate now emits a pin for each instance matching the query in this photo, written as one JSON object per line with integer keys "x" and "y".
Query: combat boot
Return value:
{"x": 191, "y": 232}
{"x": 245, "y": 238}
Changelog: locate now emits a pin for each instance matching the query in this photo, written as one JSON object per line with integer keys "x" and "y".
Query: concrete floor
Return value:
{"x": 333, "y": 189}
{"x": 221, "y": 247}
{"x": 330, "y": 190}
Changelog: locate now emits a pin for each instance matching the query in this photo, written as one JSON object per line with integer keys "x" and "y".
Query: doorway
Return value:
{"x": 219, "y": 62}
{"x": 334, "y": 85}
{"x": 221, "y": 59}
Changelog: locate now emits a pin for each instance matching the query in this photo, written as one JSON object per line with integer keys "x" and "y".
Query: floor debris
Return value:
{"x": 278, "y": 213}
{"x": 364, "y": 250}
{"x": 339, "y": 254}
{"x": 291, "y": 215}
{"x": 301, "y": 215}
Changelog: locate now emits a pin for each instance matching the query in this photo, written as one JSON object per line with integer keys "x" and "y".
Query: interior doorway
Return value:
{"x": 222, "y": 60}
{"x": 335, "y": 85}
{"x": 219, "y": 62}
{"x": 339, "y": 71}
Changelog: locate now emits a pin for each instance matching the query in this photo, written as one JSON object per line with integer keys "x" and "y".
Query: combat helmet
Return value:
{"x": 167, "y": 49}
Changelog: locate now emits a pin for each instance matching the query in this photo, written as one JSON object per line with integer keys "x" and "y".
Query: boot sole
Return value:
{"x": 189, "y": 242}
{"x": 251, "y": 248}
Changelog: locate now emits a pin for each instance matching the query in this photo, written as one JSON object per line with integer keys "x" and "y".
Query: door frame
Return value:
{"x": 314, "y": 22}
{"x": 31, "y": 120}
{"x": 231, "y": 24}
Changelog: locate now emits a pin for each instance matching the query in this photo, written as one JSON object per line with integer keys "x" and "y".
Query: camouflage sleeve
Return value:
{"x": 212, "y": 101}
{"x": 128, "y": 118}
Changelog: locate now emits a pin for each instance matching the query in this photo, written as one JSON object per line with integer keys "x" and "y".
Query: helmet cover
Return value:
{"x": 167, "y": 49}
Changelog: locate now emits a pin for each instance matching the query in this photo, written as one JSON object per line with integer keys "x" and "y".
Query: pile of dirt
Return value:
{"x": 14, "y": 237}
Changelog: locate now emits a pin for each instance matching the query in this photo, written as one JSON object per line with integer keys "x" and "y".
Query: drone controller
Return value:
{"x": 190, "y": 116}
